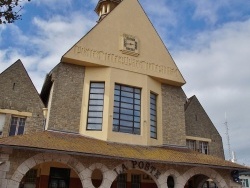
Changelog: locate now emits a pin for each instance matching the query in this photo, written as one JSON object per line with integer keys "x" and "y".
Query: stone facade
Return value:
{"x": 198, "y": 124}
{"x": 18, "y": 94}
{"x": 173, "y": 115}
{"x": 66, "y": 97}
{"x": 18, "y": 163}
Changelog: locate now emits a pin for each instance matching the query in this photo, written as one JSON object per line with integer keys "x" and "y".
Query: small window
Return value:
{"x": 17, "y": 125}
{"x": 122, "y": 181}
{"x": 127, "y": 109}
{"x": 2, "y": 122}
{"x": 95, "y": 108}
{"x": 153, "y": 116}
{"x": 135, "y": 181}
{"x": 203, "y": 147}
{"x": 191, "y": 144}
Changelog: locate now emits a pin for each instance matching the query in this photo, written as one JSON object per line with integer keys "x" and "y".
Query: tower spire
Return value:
{"x": 104, "y": 7}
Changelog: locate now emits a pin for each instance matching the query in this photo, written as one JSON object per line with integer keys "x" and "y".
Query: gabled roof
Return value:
{"x": 81, "y": 145}
{"x": 101, "y": 46}
{"x": 17, "y": 70}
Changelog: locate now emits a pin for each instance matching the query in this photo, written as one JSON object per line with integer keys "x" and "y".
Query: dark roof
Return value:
{"x": 81, "y": 145}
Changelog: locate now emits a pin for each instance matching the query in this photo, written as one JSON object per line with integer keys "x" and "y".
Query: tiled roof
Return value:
{"x": 81, "y": 145}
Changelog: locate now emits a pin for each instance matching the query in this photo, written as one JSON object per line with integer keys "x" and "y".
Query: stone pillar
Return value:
{"x": 4, "y": 165}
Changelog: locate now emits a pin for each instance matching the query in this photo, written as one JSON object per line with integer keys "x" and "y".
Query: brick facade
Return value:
{"x": 173, "y": 115}
{"x": 18, "y": 93}
{"x": 198, "y": 124}
{"x": 66, "y": 97}
{"x": 18, "y": 162}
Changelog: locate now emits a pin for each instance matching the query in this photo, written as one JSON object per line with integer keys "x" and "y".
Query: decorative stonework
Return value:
{"x": 38, "y": 159}
{"x": 85, "y": 170}
{"x": 215, "y": 176}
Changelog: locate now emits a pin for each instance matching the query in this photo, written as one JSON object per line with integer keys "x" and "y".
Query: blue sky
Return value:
{"x": 209, "y": 41}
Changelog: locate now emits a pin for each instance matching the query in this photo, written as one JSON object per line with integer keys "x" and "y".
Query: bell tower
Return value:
{"x": 104, "y": 7}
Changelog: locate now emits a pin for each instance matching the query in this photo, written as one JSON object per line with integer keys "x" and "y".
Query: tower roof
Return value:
{"x": 104, "y": 7}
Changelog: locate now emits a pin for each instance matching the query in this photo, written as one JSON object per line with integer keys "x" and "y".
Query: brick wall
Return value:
{"x": 18, "y": 93}
{"x": 198, "y": 124}
{"x": 173, "y": 115}
{"x": 66, "y": 103}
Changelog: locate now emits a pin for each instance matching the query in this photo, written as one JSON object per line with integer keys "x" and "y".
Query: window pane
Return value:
{"x": 2, "y": 122}
{"x": 12, "y": 130}
{"x": 126, "y": 123}
{"x": 126, "y": 129}
{"x": 116, "y": 122}
{"x": 126, "y": 117}
{"x": 96, "y": 90}
{"x": 126, "y": 109}
{"x": 127, "y": 100}
{"x": 96, "y": 85}
{"x": 137, "y": 119}
{"x": 95, "y": 108}
{"x": 96, "y": 102}
{"x": 127, "y": 94}
{"x": 153, "y": 117}
{"x": 137, "y": 107}
{"x": 96, "y": 96}
{"x": 117, "y": 98}
{"x": 94, "y": 120}
{"x": 126, "y": 105}
{"x": 95, "y": 114}
{"x": 17, "y": 126}
{"x": 126, "y": 88}
{"x": 94, "y": 126}
{"x": 20, "y": 130}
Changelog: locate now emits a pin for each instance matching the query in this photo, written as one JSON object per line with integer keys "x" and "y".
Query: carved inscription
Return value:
{"x": 127, "y": 62}
{"x": 142, "y": 166}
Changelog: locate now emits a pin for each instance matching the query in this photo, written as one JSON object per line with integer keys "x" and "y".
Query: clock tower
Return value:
{"x": 104, "y": 7}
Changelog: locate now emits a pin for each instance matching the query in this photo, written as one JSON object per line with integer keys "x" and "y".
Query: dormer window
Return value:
{"x": 127, "y": 109}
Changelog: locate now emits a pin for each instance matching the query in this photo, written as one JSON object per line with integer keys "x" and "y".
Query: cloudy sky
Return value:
{"x": 209, "y": 41}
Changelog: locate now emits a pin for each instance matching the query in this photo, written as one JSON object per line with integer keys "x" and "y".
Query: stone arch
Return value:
{"x": 88, "y": 172}
{"x": 217, "y": 178}
{"x": 42, "y": 158}
{"x": 163, "y": 178}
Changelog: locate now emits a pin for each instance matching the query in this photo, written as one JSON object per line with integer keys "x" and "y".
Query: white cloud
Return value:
{"x": 216, "y": 68}
{"x": 51, "y": 39}
{"x": 208, "y": 10}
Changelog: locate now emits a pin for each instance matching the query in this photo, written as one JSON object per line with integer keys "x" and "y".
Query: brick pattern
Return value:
{"x": 198, "y": 124}
{"x": 173, "y": 115}
{"x": 23, "y": 161}
{"x": 18, "y": 93}
{"x": 66, "y": 98}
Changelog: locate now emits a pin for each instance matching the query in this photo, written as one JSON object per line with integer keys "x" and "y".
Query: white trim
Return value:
{"x": 15, "y": 112}
{"x": 198, "y": 138}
